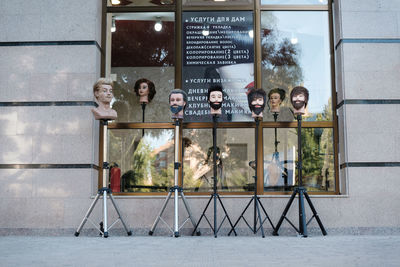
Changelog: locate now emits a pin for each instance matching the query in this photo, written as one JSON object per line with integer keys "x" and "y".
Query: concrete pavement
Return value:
{"x": 347, "y": 250}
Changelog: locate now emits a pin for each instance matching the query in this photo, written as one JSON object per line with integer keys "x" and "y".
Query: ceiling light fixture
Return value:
{"x": 158, "y": 25}
{"x": 113, "y": 27}
{"x": 115, "y": 2}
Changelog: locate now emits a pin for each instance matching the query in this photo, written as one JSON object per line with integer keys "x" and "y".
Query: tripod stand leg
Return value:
{"x": 119, "y": 215}
{"x": 87, "y": 214}
{"x": 315, "y": 214}
{"x": 302, "y": 215}
{"x": 241, "y": 215}
{"x": 160, "y": 213}
{"x": 215, "y": 216}
{"x": 189, "y": 212}
{"x": 203, "y": 214}
{"x": 265, "y": 213}
{"x": 275, "y": 232}
{"x": 259, "y": 219}
{"x": 176, "y": 217}
{"x": 227, "y": 216}
{"x": 105, "y": 225}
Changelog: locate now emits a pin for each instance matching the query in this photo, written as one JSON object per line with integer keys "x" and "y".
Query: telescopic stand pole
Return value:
{"x": 255, "y": 198}
{"x": 105, "y": 191}
{"x": 143, "y": 113}
{"x": 302, "y": 191}
{"x": 215, "y": 194}
{"x": 177, "y": 190}
{"x": 275, "y": 155}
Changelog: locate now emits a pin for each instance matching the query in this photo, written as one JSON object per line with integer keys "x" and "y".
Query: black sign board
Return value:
{"x": 218, "y": 50}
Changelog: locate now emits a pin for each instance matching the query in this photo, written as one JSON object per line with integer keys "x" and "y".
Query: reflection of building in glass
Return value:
{"x": 163, "y": 156}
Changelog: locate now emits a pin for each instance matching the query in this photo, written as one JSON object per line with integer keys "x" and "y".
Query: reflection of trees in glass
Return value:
{"x": 142, "y": 167}
{"x": 280, "y": 63}
{"x": 326, "y": 115}
{"x": 125, "y": 99}
{"x": 318, "y": 158}
{"x": 280, "y": 60}
{"x": 233, "y": 176}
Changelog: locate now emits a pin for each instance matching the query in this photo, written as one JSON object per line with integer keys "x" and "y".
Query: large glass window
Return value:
{"x": 293, "y": 50}
{"x": 280, "y": 157}
{"x": 235, "y": 149}
{"x": 138, "y": 56}
{"x": 294, "y": 2}
{"x": 225, "y": 3}
{"x": 137, "y": 3}
{"x": 145, "y": 160}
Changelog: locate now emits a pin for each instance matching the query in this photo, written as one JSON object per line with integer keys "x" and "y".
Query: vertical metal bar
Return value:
{"x": 255, "y": 177}
{"x": 105, "y": 167}
{"x": 176, "y": 178}
{"x": 215, "y": 171}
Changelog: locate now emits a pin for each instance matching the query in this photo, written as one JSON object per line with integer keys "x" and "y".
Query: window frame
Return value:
{"x": 257, "y": 8}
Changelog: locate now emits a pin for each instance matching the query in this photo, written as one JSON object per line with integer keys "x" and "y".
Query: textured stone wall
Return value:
{"x": 50, "y": 57}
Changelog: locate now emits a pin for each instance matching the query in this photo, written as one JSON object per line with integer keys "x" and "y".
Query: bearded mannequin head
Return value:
{"x": 215, "y": 99}
{"x": 299, "y": 100}
{"x": 177, "y": 103}
{"x": 256, "y": 99}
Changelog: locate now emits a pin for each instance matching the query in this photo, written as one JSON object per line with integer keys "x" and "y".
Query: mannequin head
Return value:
{"x": 215, "y": 98}
{"x": 177, "y": 102}
{"x": 299, "y": 99}
{"x": 145, "y": 89}
{"x": 275, "y": 98}
{"x": 256, "y": 99}
{"x": 103, "y": 92}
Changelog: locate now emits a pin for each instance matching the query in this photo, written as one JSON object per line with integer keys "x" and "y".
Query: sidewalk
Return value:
{"x": 201, "y": 251}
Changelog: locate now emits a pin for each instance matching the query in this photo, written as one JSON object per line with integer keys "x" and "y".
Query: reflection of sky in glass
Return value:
{"x": 311, "y": 31}
{"x": 156, "y": 141}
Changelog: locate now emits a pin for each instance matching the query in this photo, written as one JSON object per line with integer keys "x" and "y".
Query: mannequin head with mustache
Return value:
{"x": 256, "y": 100}
{"x": 177, "y": 103}
{"x": 215, "y": 98}
{"x": 299, "y": 100}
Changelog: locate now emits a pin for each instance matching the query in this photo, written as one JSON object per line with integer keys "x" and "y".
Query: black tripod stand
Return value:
{"x": 255, "y": 198}
{"x": 302, "y": 193}
{"x": 105, "y": 191}
{"x": 177, "y": 190}
{"x": 215, "y": 194}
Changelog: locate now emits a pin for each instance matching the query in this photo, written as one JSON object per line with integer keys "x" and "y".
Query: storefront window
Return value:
{"x": 295, "y": 51}
{"x": 226, "y": 3}
{"x": 280, "y": 157}
{"x": 294, "y": 2}
{"x": 235, "y": 149}
{"x": 145, "y": 159}
{"x": 137, "y": 54}
{"x": 218, "y": 48}
{"x": 136, "y": 3}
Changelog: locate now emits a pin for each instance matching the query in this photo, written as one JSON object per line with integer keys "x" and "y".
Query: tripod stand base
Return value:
{"x": 179, "y": 191}
{"x": 257, "y": 217}
{"x": 302, "y": 230}
{"x": 215, "y": 229}
{"x": 105, "y": 191}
